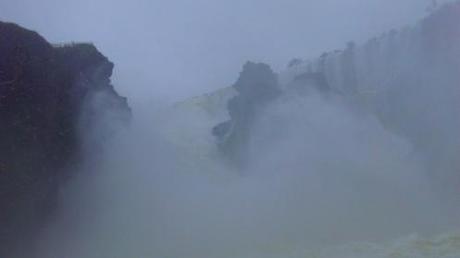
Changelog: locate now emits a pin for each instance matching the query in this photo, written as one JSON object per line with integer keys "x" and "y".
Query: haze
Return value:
{"x": 170, "y": 50}
{"x": 359, "y": 146}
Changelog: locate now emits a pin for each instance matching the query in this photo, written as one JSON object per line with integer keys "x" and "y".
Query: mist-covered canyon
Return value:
{"x": 352, "y": 153}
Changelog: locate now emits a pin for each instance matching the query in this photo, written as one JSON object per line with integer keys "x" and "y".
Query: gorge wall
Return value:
{"x": 46, "y": 106}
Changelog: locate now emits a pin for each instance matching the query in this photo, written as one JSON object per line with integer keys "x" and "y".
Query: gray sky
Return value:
{"x": 171, "y": 49}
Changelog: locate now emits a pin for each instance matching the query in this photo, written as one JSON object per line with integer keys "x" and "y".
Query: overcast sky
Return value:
{"x": 171, "y": 49}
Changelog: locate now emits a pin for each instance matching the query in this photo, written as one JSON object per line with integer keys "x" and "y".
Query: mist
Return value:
{"x": 324, "y": 169}
{"x": 316, "y": 179}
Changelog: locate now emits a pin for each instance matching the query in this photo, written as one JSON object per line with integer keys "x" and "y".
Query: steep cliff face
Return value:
{"x": 44, "y": 96}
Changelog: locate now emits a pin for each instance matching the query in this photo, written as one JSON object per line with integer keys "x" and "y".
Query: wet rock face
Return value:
{"x": 43, "y": 90}
{"x": 257, "y": 85}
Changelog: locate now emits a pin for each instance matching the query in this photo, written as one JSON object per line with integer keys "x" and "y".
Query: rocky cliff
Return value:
{"x": 46, "y": 93}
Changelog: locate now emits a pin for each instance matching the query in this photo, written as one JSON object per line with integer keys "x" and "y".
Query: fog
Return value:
{"x": 323, "y": 170}
{"x": 148, "y": 199}
{"x": 170, "y": 50}
{"x": 316, "y": 179}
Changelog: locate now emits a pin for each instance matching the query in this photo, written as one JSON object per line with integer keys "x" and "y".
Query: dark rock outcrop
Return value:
{"x": 43, "y": 89}
{"x": 256, "y": 86}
